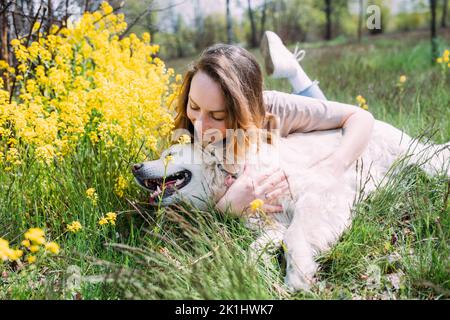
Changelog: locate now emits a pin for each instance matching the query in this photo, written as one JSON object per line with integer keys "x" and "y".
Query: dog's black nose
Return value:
{"x": 137, "y": 166}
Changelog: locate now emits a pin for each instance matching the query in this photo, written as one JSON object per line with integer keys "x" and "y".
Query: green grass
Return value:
{"x": 399, "y": 232}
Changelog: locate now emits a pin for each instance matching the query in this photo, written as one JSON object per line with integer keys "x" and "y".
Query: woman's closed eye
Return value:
{"x": 215, "y": 115}
{"x": 218, "y": 116}
{"x": 193, "y": 107}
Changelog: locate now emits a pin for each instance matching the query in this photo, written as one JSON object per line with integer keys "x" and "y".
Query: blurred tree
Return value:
{"x": 253, "y": 39}
{"x": 263, "y": 18}
{"x": 444, "y": 13}
{"x": 434, "y": 44}
{"x": 229, "y": 23}
{"x": 360, "y": 19}
{"x": 328, "y": 10}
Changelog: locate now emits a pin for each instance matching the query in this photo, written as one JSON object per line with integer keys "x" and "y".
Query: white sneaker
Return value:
{"x": 278, "y": 60}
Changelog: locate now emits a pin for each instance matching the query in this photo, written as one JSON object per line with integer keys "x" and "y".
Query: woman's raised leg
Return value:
{"x": 281, "y": 63}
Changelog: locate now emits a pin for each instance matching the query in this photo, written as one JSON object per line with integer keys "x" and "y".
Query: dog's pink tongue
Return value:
{"x": 170, "y": 183}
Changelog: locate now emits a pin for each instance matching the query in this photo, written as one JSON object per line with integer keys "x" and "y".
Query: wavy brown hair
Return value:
{"x": 240, "y": 78}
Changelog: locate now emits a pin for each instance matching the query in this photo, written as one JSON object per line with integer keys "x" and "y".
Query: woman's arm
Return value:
{"x": 304, "y": 114}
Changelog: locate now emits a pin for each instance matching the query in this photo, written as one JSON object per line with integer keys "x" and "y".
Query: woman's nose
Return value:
{"x": 201, "y": 125}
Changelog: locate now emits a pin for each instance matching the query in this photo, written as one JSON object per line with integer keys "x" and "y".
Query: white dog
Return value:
{"x": 319, "y": 208}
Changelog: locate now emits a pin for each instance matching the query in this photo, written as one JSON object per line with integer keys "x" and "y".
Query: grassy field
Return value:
{"x": 397, "y": 247}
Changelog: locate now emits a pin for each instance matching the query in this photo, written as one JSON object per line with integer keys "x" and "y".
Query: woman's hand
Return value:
{"x": 251, "y": 185}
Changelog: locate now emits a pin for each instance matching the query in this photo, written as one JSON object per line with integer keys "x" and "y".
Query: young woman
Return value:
{"x": 223, "y": 90}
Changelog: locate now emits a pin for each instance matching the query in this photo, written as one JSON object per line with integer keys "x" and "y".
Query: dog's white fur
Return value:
{"x": 320, "y": 207}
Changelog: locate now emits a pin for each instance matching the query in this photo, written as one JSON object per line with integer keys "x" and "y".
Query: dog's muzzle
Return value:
{"x": 161, "y": 186}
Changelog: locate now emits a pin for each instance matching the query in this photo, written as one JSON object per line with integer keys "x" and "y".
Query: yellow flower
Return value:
{"x": 184, "y": 139}
{"x": 402, "y": 79}
{"x": 35, "y": 235}
{"x": 5, "y": 251}
{"x": 31, "y": 259}
{"x": 26, "y": 243}
{"x": 120, "y": 186}
{"x": 52, "y": 247}
{"x": 111, "y": 217}
{"x": 34, "y": 248}
{"x": 92, "y": 195}
{"x": 90, "y": 192}
{"x": 365, "y": 107}
{"x": 102, "y": 221}
{"x": 256, "y": 204}
{"x": 167, "y": 159}
{"x": 146, "y": 37}
{"x": 107, "y": 9}
{"x": 15, "y": 42}
{"x": 88, "y": 68}
{"x": 439, "y": 60}
{"x": 15, "y": 255}
{"x": 74, "y": 227}
{"x": 360, "y": 99}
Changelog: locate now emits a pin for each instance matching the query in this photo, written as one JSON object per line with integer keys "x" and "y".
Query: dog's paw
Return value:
{"x": 296, "y": 281}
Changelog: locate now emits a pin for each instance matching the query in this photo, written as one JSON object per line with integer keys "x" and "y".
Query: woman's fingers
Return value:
{"x": 272, "y": 181}
{"x": 262, "y": 177}
{"x": 269, "y": 208}
{"x": 275, "y": 194}
{"x": 276, "y": 181}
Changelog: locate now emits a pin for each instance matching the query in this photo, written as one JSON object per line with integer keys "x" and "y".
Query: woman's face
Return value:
{"x": 206, "y": 106}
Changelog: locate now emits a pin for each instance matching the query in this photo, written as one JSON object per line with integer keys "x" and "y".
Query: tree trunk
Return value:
{"x": 263, "y": 20}
{"x": 229, "y": 24}
{"x": 328, "y": 9}
{"x": 253, "y": 39}
{"x": 4, "y": 52}
{"x": 434, "y": 47}
{"x": 360, "y": 19}
{"x": 444, "y": 13}
{"x": 49, "y": 15}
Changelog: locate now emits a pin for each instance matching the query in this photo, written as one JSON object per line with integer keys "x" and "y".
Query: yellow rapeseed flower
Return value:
{"x": 35, "y": 235}
{"x": 439, "y": 60}
{"x": 26, "y": 243}
{"x": 31, "y": 259}
{"x": 120, "y": 186}
{"x": 360, "y": 99}
{"x": 86, "y": 66}
{"x": 15, "y": 255}
{"x": 74, "y": 227}
{"x": 107, "y": 9}
{"x": 34, "y": 248}
{"x": 167, "y": 159}
{"x": 52, "y": 247}
{"x": 4, "y": 250}
{"x": 92, "y": 195}
{"x": 111, "y": 217}
{"x": 102, "y": 221}
{"x": 184, "y": 139}
{"x": 15, "y": 42}
{"x": 256, "y": 204}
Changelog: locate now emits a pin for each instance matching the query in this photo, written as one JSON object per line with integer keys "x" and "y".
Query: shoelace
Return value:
{"x": 299, "y": 54}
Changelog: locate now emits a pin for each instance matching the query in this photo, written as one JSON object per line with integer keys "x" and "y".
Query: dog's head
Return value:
{"x": 183, "y": 172}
